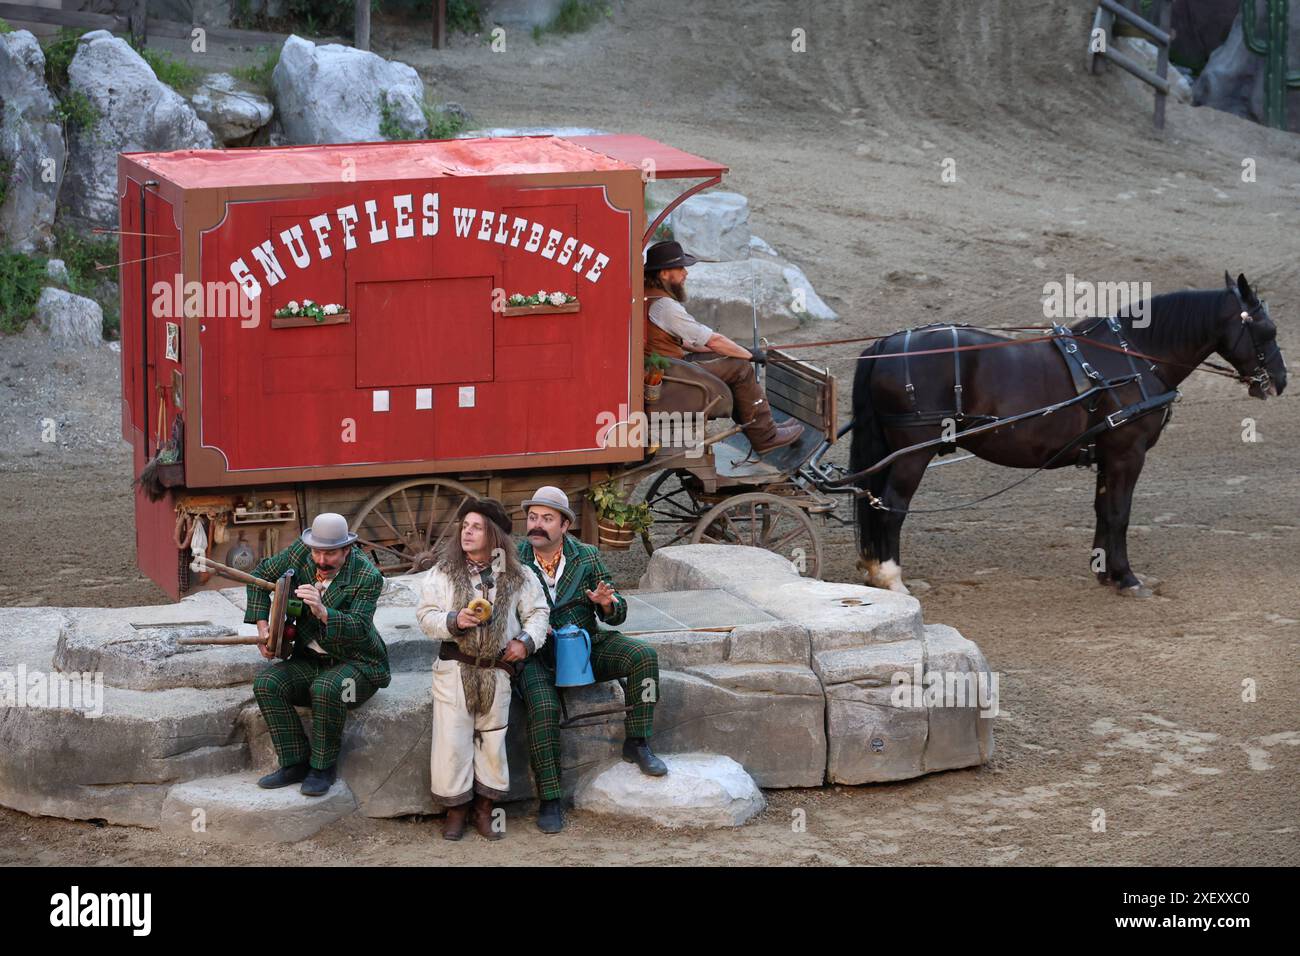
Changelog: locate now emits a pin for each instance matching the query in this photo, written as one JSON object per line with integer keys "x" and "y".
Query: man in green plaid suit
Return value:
{"x": 339, "y": 660}
{"x": 577, "y": 588}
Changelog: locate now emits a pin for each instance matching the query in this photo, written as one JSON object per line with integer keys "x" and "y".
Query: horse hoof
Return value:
{"x": 1137, "y": 590}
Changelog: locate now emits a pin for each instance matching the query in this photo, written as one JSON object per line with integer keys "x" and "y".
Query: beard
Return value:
{"x": 676, "y": 289}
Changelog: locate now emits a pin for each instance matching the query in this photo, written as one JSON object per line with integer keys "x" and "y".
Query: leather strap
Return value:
{"x": 450, "y": 652}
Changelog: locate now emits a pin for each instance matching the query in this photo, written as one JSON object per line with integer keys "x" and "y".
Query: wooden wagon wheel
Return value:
{"x": 674, "y": 505}
{"x": 399, "y": 525}
{"x": 765, "y": 521}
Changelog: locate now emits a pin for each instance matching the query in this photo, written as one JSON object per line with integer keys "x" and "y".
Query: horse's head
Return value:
{"x": 1249, "y": 341}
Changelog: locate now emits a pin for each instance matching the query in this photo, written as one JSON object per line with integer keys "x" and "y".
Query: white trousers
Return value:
{"x": 469, "y": 752}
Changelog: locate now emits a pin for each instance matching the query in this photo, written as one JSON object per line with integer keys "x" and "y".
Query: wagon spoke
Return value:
{"x": 406, "y": 503}
{"x": 433, "y": 517}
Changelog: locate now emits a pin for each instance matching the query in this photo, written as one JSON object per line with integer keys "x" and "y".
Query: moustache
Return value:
{"x": 539, "y": 532}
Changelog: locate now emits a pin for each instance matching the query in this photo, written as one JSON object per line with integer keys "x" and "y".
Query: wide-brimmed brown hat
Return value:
{"x": 667, "y": 255}
{"x": 489, "y": 508}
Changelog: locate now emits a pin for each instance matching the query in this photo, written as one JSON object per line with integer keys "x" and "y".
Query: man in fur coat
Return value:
{"x": 471, "y": 678}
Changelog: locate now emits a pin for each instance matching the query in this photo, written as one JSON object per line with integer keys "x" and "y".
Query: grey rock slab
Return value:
{"x": 56, "y": 761}
{"x": 960, "y": 736}
{"x": 699, "y": 790}
{"x": 871, "y": 666}
{"x": 788, "y": 679}
{"x": 678, "y": 650}
{"x": 233, "y": 809}
{"x": 776, "y": 641}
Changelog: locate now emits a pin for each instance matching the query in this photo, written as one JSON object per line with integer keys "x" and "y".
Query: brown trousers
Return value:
{"x": 749, "y": 404}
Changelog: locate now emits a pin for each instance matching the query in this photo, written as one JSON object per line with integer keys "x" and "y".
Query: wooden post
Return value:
{"x": 136, "y": 20}
{"x": 1163, "y": 16}
{"x": 362, "y": 38}
{"x": 439, "y": 24}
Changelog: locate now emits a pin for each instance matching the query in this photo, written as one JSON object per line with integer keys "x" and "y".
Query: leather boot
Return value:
{"x": 637, "y": 750}
{"x": 481, "y": 817}
{"x": 786, "y": 433}
{"x": 453, "y": 828}
{"x": 284, "y": 777}
{"x": 550, "y": 818}
{"x": 318, "y": 782}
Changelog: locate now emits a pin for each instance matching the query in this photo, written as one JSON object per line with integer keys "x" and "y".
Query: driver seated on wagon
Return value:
{"x": 674, "y": 333}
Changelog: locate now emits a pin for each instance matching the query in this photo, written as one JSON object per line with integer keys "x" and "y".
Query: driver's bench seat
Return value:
{"x": 689, "y": 388}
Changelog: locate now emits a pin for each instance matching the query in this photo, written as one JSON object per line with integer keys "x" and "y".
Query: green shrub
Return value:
{"x": 21, "y": 279}
{"x": 574, "y": 16}
{"x": 58, "y": 54}
{"x": 5, "y": 28}
{"x": 6, "y": 170}
{"x": 464, "y": 15}
{"x": 441, "y": 125}
{"x": 259, "y": 74}
{"x": 79, "y": 253}
{"x": 76, "y": 110}
{"x": 175, "y": 73}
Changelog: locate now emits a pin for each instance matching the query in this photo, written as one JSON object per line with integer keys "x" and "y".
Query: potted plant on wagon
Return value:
{"x": 655, "y": 367}
{"x": 617, "y": 521}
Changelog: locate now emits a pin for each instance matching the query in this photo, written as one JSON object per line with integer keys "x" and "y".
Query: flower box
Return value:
{"x": 298, "y": 321}
{"x": 539, "y": 309}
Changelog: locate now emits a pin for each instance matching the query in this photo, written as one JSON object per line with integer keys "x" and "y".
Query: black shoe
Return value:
{"x": 550, "y": 819}
{"x": 637, "y": 751}
{"x": 284, "y": 776}
{"x": 318, "y": 782}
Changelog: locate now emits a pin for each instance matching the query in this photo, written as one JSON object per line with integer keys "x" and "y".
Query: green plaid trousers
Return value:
{"x": 300, "y": 681}
{"x": 614, "y": 657}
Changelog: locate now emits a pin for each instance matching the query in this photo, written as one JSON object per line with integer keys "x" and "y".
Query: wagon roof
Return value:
{"x": 420, "y": 159}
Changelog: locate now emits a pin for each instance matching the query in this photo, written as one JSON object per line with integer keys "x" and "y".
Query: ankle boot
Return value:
{"x": 481, "y": 817}
{"x": 453, "y": 828}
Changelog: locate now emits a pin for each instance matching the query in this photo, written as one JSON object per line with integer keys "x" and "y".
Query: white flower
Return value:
{"x": 541, "y": 294}
{"x": 306, "y": 302}
{"x": 292, "y": 306}
{"x": 556, "y": 298}
{"x": 331, "y": 310}
{"x": 517, "y": 299}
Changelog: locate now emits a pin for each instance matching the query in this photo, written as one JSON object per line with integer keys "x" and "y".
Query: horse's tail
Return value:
{"x": 867, "y": 448}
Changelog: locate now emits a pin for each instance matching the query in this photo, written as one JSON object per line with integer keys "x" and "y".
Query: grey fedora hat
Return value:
{"x": 548, "y": 496}
{"x": 328, "y": 531}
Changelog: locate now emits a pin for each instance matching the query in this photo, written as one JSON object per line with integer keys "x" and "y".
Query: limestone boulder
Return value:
{"x": 233, "y": 114}
{"x": 135, "y": 112}
{"x": 699, "y": 790}
{"x": 330, "y": 93}
{"x": 71, "y": 321}
{"x": 724, "y": 295}
{"x": 31, "y": 146}
{"x": 713, "y": 225}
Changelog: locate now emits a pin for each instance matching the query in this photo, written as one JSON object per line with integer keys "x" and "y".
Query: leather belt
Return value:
{"x": 451, "y": 652}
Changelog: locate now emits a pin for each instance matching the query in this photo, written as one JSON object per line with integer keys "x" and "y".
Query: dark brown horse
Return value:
{"x": 1113, "y": 407}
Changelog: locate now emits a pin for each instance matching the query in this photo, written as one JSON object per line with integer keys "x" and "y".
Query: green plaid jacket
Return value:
{"x": 348, "y": 633}
{"x": 583, "y": 570}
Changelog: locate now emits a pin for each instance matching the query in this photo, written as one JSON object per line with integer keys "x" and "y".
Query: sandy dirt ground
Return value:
{"x": 1130, "y": 706}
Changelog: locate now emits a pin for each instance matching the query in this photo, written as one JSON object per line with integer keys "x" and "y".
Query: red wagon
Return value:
{"x": 330, "y": 328}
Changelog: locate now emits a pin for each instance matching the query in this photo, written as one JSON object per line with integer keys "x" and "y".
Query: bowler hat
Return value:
{"x": 489, "y": 508}
{"x": 328, "y": 531}
{"x": 548, "y": 496}
{"x": 667, "y": 255}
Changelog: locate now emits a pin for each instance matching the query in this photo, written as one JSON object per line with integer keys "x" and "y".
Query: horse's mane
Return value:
{"x": 1177, "y": 320}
